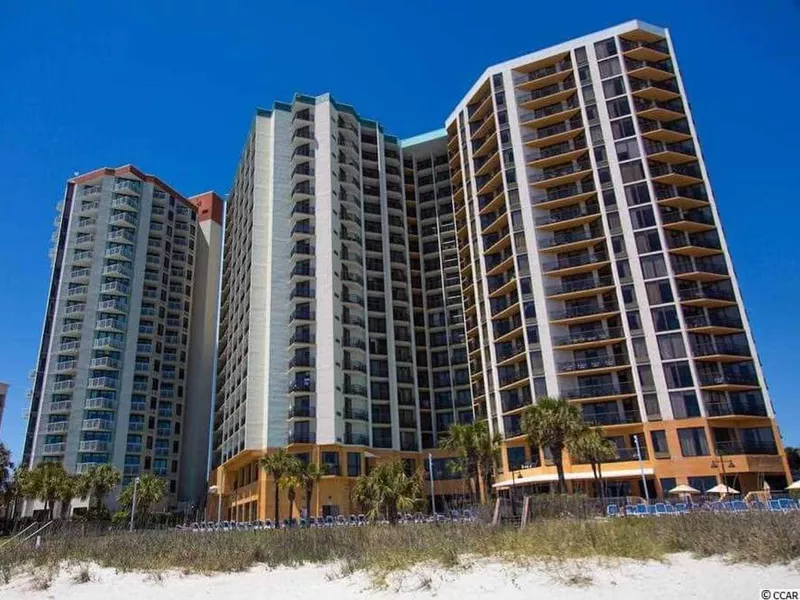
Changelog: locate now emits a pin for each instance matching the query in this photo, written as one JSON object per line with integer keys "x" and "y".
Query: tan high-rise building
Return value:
{"x": 125, "y": 368}
{"x": 594, "y": 267}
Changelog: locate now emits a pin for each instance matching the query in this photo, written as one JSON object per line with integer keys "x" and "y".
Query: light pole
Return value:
{"x": 641, "y": 467}
{"x": 433, "y": 496}
{"x": 214, "y": 489}
{"x": 133, "y": 503}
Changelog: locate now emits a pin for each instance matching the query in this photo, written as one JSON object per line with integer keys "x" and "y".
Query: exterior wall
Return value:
{"x": 112, "y": 385}
{"x": 593, "y": 169}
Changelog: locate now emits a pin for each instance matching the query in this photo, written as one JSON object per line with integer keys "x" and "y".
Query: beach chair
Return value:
{"x": 669, "y": 508}
{"x": 612, "y": 510}
{"x": 340, "y": 520}
{"x": 727, "y": 506}
{"x": 642, "y": 510}
{"x": 715, "y": 506}
{"x": 682, "y": 508}
{"x": 362, "y": 520}
{"x": 787, "y": 504}
{"x": 661, "y": 508}
{"x": 738, "y": 506}
{"x": 651, "y": 510}
{"x": 774, "y": 506}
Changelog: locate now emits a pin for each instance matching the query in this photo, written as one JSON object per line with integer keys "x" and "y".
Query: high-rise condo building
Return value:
{"x": 126, "y": 361}
{"x": 595, "y": 268}
{"x": 559, "y": 237}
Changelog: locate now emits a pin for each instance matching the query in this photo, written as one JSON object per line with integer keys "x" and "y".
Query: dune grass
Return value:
{"x": 757, "y": 538}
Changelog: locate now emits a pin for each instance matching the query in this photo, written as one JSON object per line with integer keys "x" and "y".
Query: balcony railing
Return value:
{"x": 739, "y": 447}
{"x": 569, "y": 287}
{"x": 583, "y": 337}
{"x": 721, "y": 348}
{"x": 582, "y": 311}
{"x": 612, "y": 418}
{"x": 726, "y": 408}
{"x": 593, "y": 363}
{"x": 574, "y": 261}
{"x": 706, "y": 294}
{"x": 302, "y": 437}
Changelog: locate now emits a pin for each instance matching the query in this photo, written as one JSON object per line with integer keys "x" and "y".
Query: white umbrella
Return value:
{"x": 722, "y": 489}
{"x": 794, "y": 486}
{"x": 683, "y": 489}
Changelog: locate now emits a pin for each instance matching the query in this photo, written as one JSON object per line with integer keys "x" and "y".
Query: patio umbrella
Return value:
{"x": 683, "y": 489}
{"x": 794, "y": 486}
{"x": 722, "y": 489}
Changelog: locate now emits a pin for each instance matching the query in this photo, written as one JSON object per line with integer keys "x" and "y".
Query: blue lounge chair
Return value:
{"x": 669, "y": 508}
{"x": 651, "y": 510}
{"x": 787, "y": 504}
{"x": 641, "y": 510}
{"x": 612, "y": 510}
{"x": 715, "y": 506}
{"x": 630, "y": 510}
{"x": 774, "y": 506}
{"x": 739, "y": 506}
{"x": 727, "y": 507}
{"x": 682, "y": 508}
{"x": 661, "y": 508}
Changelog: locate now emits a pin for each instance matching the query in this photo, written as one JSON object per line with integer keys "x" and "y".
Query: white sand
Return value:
{"x": 680, "y": 577}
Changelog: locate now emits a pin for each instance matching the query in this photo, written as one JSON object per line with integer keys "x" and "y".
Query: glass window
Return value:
{"x": 605, "y": 48}
{"x": 600, "y": 155}
{"x": 628, "y": 295}
{"x": 609, "y": 68}
{"x": 643, "y": 217}
{"x": 596, "y": 134}
{"x": 588, "y": 93}
{"x": 613, "y": 87}
{"x": 653, "y": 266}
{"x": 648, "y": 241}
{"x": 584, "y": 74}
{"x": 704, "y": 482}
{"x": 659, "y": 292}
{"x": 660, "y": 445}
{"x": 693, "y": 442}
{"x": 634, "y": 321}
{"x": 627, "y": 149}
{"x": 353, "y": 464}
{"x": 591, "y": 113}
{"x": 678, "y": 374}
{"x": 640, "y": 350}
{"x": 671, "y": 346}
{"x": 665, "y": 318}
{"x": 632, "y": 171}
{"x": 580, "y": 55}
{"x": 618, "y": 107}
{"x": 604, "y": 175}
{"x": 651, "y": 407}
{"x": 684, "y": 405}
{"x": 609, "y": 197}
{"x": 646, "y": 378}
{"x": 623, "y": 270}
{"x": 516, "y": 457}
{"x": 637, "y": 194}
{"x": 622, "y": 128}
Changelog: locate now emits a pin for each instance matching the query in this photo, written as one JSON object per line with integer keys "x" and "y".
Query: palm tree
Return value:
{"x": 6, "y": 478}
{"x": 150, "y": 491}
{"x": 488, "y": 456}
{"x": 793, "y": 458}
{"x": 15, "y": 490}
{"x": 290, "y": 481}
{"x": 310, "y": 475}
{"x": 70, "y": 487}
{"x": 44, "y": 482}
{"x": 477, "y": 452}
{"x": 388, "y": 491}
{"x": 590, "y": 446}
{"x": 97, "y": 483}
{"x": 552, "y": 423}
{"x": 276, "y": 464}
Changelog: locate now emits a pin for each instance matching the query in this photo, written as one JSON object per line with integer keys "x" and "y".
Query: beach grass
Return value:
{"x": 760, "y": 538}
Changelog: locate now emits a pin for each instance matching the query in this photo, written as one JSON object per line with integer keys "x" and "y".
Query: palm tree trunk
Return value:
{"x": 277, "y": 502}
{"x": 481, "y": 484}
{"x": 291, "y": 509}
{"x": 309, "y": 494}
{"x": 602, "y": 485}
{"x": 558, "y": 459}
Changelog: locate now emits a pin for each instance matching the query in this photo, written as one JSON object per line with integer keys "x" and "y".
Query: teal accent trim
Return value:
{"x": 424, "y": 137}
{"x": 263, "y": 112}
{"x": 285, "y": 106}
{"x": 305, "y": 99}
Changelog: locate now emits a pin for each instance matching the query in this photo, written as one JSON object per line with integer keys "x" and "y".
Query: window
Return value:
{"x": 516, "y": 457}
{"x": 584, "y": 74}
{"x": 580, "y": 55}
{"x": 634, "y": 321}
{"x": 705, "y": 482}
{"x": 659, "y": 292}
{"x": 613, "y": 87}
{"x": 646, "y": 378}
{"x": 632, "y": 171}
{"x": 588, "y": 94}
{"x": 596, "y": 134}
{"x": 618, "y": 245}
{"x": 651, "y": 407}
{"x": 643, "y": 217}
{"x": 623, "y": 270}
{"x": 600, "y": 155}
{"x": 604, "y": 175}
{"x": 618, "y": 107}
{"x": 613, "y": 222}
{"x": 678, "y": 374}
{"x": 622, "y": 128}
{"x": 628, "y": 295}
{"x": 637, "y": 194}
{"x": 693, "y": 442}
{"x": 667, "y": 483}
{"x": 627, "y": 149}
{"x": 605, "y": 48}
{"x": 640, "y": 350}
{"x": 648, "y": 241}
{"x": 660, "y": 446}
{"x": 353, "y": 464}
{"x": 591, "y": 113}
{"x": 653, "y": 266}
{"x": 609, "y": 197}
{"x": 684, "y": 405}
{"x": 609, "y": 68}
{"x": 665, "y": 318}
{"x": 671, "y": 346}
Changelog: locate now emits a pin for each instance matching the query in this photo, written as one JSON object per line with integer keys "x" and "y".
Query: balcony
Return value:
{"x": 94, "y": 446}
{"x": 63, "y": 406}
{"x": 582, "y": 314}
{"x": 356, "y": 414}
{"x": 77, "y": 291}
{"x": 302, "y": 315}
{"x": 610, "y": 419}
{"x": 103, "y": 383}
{"x": 666, "y": 131}
{"x": 591, "y": 366}
{"x": 728, "y": 408}
{"x": 98, "y": 425}
{"x": 355, "y": 365}
{"x": 738, "y": 447}
{"x": 700, "y": 270}
{"x": 305, "y": 385}
{"x": 64, "y": 386}
{"x": 302, "y": 292}
{"x": 728, "y": 382}
{"x": 589, "y": 339}
{"x": 722, "y": 352}
{"x": 671, "y": 110}
{"x": 567, "y": 218}
{"x": 676, "y": 153}
{"x": 66, "y": 366}
{"x": 569, "y": 290}
{"x": 679, "y": 175}
{"x": 550, "y": 114}
{"x": 302, "y": 337}
{"x": 128, "y": 186}
{"x": 302, "y": 411}
{"x": 356, "y": 439}
{"x": 713, "y": 325}
{"x": 54, "y": 449}
{"x": 547, "y": 95}
{"x": 302, "y": 437}
{"x": 561, "y": 175}
{"x": 575, "y": 264}
{"x": 544, "y": 76}
{"x": 688, "y": 221}
{"x": 599, "y": 392}
{"x": 301, "y": 361}
{"x": 553, "y": 134}
{"x": 57, "y": 427}
{"x": 569, "y": 241}
{"x": 123, "y": 236}
{"x": 661, "y": 91}
{"x": 650, "y": 71}
{"x": 693, "y": 245}
{"x": 652, "y": 51}
{"x": 355, "y": 389}
{"x": 69, "y": 347}
{"x": 100, "y": 404}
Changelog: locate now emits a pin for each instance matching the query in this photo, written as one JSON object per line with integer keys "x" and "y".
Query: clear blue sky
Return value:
{"x": 173, "y": 91}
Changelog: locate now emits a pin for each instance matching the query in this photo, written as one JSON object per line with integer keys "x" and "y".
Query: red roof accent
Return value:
{"x": 209, "y": 205}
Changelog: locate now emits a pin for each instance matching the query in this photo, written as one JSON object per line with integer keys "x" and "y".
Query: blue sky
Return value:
{"x": 173, "y": 89}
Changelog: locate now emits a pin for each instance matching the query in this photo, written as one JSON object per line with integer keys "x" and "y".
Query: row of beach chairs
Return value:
{"x": 780, "y": 505}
